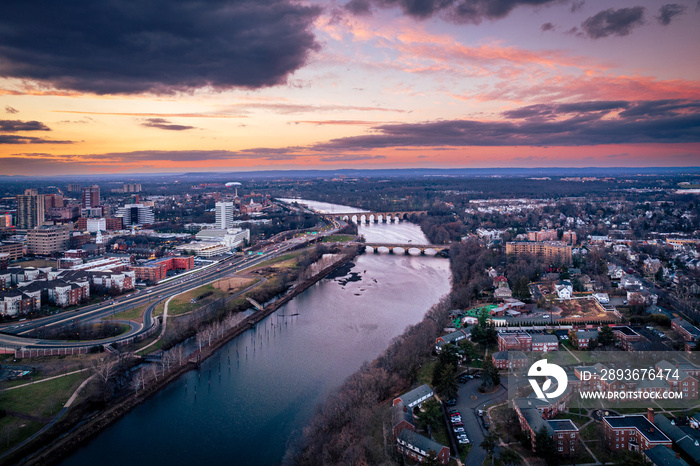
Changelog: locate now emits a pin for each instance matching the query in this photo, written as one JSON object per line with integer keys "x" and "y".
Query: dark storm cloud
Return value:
{"x": 613, "y": 22}
{"x": 548, "y": 111}
{"x": 15, "y": 139}
{"x": 160, "y": 46}
{"x": 11, "y": 126}
{"x": 9, "y": 109}
{"x": 162, "y": 123}
{"x": 579, "y": 124}
{"x": 667, "y": 12}
{"x": 547, "y": 27}
{"x": 459, "y": 11}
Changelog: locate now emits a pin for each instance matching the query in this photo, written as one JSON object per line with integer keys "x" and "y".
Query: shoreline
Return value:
{"x": 70, "y": 433}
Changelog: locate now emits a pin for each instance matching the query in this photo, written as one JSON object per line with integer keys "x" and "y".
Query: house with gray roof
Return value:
{"x": 418, "y": 448}
{"x": 415, "y": 397}
{"x": 685, "y": 438}
{"x": 664, "y": 456}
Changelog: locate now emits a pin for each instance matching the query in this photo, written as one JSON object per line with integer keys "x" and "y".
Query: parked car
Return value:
{"x": 457, "y": 424}
{"x": 451, "y": 402}
{"x": 459, "y": 429}
{"x": 463, "y": 440}
{"x": 456, "y": 419}
{"x": 485, "y": 423}
{"x": 480, "y": 412}
{"x": 453, "y": 411}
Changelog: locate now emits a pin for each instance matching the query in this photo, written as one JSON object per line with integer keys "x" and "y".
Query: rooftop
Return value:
{"x": 420, "y": 442}
{"x": 639, "y": 422}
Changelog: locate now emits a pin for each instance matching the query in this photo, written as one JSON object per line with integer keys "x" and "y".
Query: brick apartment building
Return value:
{"x": 554, "y": 252}
{"x": 157, "y": 269}
{"x": 626, "y": 337}
{"x": 633, "y": 432}
{"x": 521, "y": 341}
{"x": 564, "y": 432}
{"x": 685, "y": 329}
{"x": 418, "y": 448}
{"x": 581, "y": 339}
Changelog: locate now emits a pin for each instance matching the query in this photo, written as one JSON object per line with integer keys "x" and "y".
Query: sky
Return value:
{"x": 155, "y": 86}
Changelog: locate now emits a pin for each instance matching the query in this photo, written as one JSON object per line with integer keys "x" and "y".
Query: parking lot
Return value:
{"x": 468, "y": 404}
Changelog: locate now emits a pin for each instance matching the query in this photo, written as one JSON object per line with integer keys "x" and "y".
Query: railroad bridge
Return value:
{"x": 373, "y": 217}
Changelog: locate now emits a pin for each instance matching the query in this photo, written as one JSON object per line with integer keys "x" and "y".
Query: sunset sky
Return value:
{"x": 203, "y": 85}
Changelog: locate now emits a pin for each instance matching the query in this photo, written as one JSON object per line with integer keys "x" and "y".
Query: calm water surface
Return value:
{"x": 251, "y": 400}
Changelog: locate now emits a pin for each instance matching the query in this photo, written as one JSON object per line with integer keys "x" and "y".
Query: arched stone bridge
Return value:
{"x": 441, "y": 249}
{"x": 373, "y": 217}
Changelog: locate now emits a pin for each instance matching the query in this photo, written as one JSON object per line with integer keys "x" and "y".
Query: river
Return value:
{"x": 251, "y": 400}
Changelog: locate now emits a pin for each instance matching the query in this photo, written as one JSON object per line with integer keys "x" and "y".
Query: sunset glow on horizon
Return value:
{"x": 161, "y": 86}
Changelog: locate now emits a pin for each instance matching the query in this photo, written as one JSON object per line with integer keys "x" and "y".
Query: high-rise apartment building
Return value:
{"x": 30, "y": 209}
{"x": 224, "y": 215}
{"x": 136, "y": 215}
{"x": 48, "y": 239}
{"x": 74, "y": 188}
{"x": 52, "y": 201}
{"x": 91, "y": 196}
{"x": 554, "y": 252}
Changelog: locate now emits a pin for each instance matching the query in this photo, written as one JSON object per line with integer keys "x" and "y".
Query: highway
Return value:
{"x": 14, "y": 335}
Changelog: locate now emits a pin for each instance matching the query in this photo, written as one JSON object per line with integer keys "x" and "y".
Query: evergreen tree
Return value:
{"x": 606, "y": 336}
{"x": 510, "y": 458}
{"x": 521, "y": 290}
{"x": 489, "y": 376}
{"x": 430, "y": 414}
{"x": 545, "y": 447}
{"x": 446, "y": 385}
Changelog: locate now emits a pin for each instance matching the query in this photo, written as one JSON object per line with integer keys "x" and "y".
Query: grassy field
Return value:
{"x": 219, "y": 289}
{"x": 37, "y": 263}
{"x": 41, "y": 401}
{"x": 338, "y": 238}
{"x": 425, "y": 374}
{"x": 182, "y": 303}
{"x": 135, "y": 314}
{"x": 14, "y": 430}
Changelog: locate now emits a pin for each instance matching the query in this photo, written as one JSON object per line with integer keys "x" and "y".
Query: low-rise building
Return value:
{"x": 564, "y": 432}
{"x": 415, "y": 397}
{"x": 581, "y": 339}
{"x": 633, "y": 432}
{"x": 453, "y": 337}
{"x": 401, "y": 418}
{"x": 626, "y": 337}
{"x": 157, "y": 269}
{"x": 505, "y": 360}
{"x": 685, "y": 329}
{"x": 419, "y": 448}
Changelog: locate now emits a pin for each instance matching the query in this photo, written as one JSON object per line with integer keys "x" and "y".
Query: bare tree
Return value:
{"x": 138, "y": 380}
{"x": 104, "y": 369}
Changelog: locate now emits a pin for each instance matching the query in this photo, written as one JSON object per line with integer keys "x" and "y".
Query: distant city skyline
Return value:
{"x": 154, "y": 87}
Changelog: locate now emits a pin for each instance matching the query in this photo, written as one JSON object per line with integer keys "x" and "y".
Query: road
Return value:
{"x": 14, "y": 335}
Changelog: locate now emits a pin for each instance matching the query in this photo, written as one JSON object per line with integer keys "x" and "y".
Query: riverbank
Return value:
{"x": 83, "y": 430}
